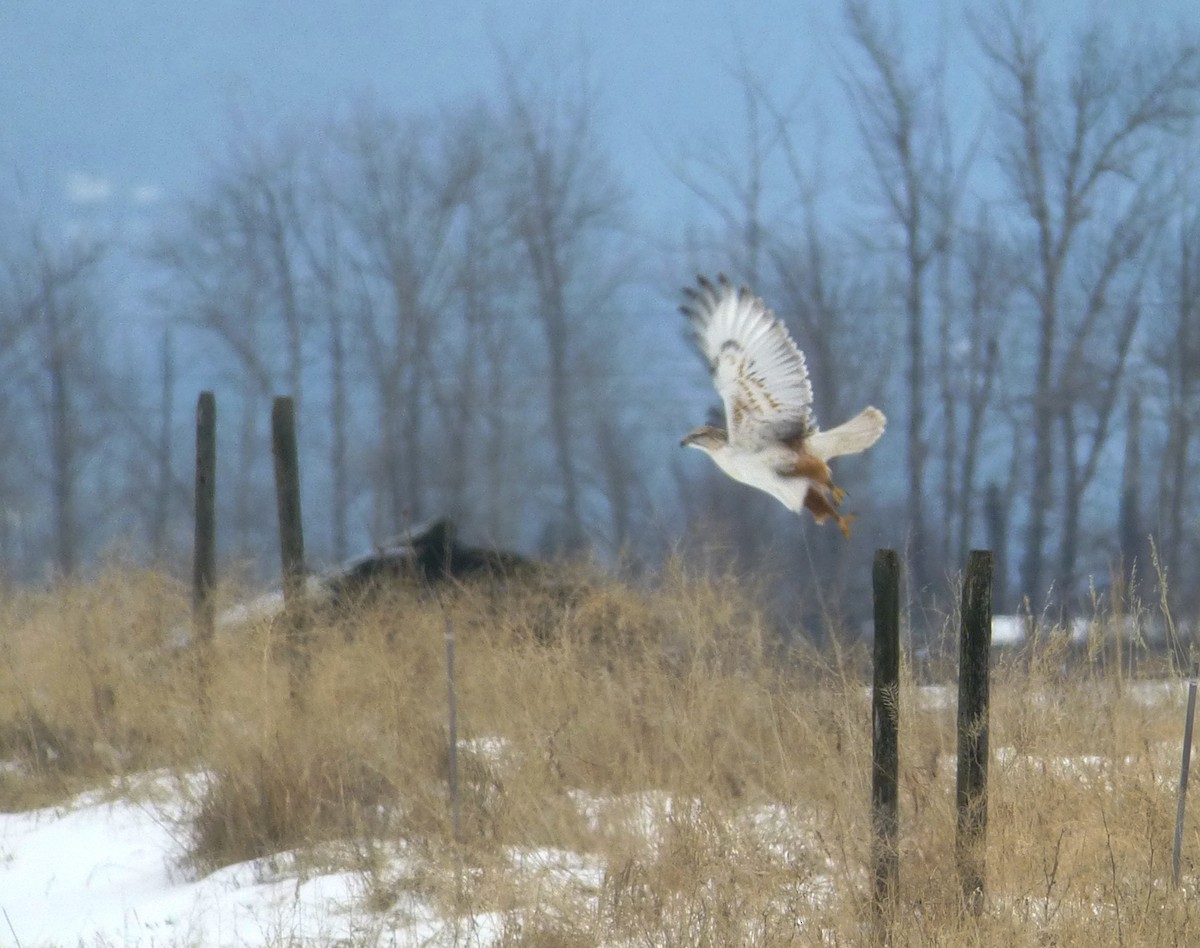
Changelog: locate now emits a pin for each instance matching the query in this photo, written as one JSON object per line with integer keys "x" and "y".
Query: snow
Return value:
{"x": 105, "y": 871}
{"x": 108, "y": 869}
{"x": 1008, "y": 630}
{"x": 109, "y": 873}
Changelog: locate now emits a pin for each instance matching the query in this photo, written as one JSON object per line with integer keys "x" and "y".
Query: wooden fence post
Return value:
{"x": 291, "y": 533}
{"x": 204, "y": 561}
{"x": 975, "y": 645}
{"x": 885, "y": 750}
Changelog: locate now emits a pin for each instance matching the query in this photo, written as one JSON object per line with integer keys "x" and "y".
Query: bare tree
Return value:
{"x": 325, "y": 256}
{"x": 749, "y": 175}
{"x": 476, "y": 390}
{"x": 314, "y": 223}
{"x": 831, "y": 302}
{"x": 492, "y": 366}
{"x": 989, "y": 270}
{"x": 216, "y": 271}
{"x": 161, "y": 515}
{"x": 16, "y": 324}
{"x": 563, "y": 206}
{"x": 1131, "y": 533}
{"x": 262, "y": 184}
{"x": 733, "y": 176}
{"x": 1079, "y": 157}
{"x": 905, "y": 131}
{"x": 1091, "y": 384}
{"x": 400, "y": 199}
{"x": 236, "y": 262}
{"x": 1174, "y": 356}
{"x": 53, "y": 324}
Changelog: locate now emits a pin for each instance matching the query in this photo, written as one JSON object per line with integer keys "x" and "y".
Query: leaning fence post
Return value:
{"x": 885, "y": 751}
{"x": 291, "y": 532}
{"x": 204, "y": 568}
{"x": 975, "y": 645}
{"x": 1184, "y": 768}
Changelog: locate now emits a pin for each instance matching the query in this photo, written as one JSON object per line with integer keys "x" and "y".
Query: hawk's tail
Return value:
{"x": 850, "y": 437}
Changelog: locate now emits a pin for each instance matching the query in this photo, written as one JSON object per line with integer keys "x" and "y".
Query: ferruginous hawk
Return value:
{"x": 771, "y": 440}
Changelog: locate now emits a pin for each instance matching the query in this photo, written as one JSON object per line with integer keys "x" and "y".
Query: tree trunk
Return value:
{"x": 338, "y": 420}
{"x": 996, "y": 518}
{"x": 246, "y": 512}
{"x": 1129, "y": 528}
{"x": 1041, "y": 495}
{"x": 555, "y": 330}
{"x": 62, "y": 453}
{"x": 160, "y": 520}
{"x": 1072, "y": 506}
{"x": 62, "y": 436}
{"x": 560, "y": 422}
{"x": 917, "y": 538}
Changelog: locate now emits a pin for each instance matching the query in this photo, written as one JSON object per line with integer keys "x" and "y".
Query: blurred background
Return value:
{"x": 455, "y": 234}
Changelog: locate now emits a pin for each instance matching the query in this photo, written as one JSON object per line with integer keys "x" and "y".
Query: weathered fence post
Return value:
{"x": 885, "y": 749}
{"x": 1185, "y": 766}
{"x": 204, "y": 560}
{"x": 975, "y": 645}
{"x": 291, "y": 533}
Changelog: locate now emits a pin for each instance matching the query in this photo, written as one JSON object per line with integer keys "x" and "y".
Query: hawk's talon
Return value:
{"x": 838, "y": 494}
{"x": 844, "y": 524}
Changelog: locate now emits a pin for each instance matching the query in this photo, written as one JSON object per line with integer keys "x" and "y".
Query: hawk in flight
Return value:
{"x": 771, "y": 440}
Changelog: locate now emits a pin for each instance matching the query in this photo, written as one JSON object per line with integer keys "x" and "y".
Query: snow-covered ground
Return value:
{"x": 108, "y": 871}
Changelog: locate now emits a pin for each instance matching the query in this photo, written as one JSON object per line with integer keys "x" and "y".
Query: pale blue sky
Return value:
{"x": 118, "y": 102}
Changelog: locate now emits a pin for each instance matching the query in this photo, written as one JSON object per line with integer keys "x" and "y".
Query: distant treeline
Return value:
{"x": 474, "y": 320}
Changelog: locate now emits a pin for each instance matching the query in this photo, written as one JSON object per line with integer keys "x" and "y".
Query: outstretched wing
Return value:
{"x": 758, "y": 370}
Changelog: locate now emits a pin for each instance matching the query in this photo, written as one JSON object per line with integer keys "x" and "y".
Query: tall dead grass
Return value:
{"x": 87, "y": 689}
{"x": 637, "y": 766}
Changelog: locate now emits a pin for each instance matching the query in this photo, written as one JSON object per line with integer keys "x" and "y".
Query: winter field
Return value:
{"x": 637, "y": 766}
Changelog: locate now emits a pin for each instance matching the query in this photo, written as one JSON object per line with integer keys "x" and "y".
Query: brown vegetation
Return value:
{"x": 637, "y": 765}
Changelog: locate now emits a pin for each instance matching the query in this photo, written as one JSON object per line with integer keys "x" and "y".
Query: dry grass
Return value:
{"x": 637, "y": 767}
{"x": 87, "y": 690}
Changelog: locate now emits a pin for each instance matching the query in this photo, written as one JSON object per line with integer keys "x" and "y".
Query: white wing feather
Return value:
{"x": 758, "y": 370}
